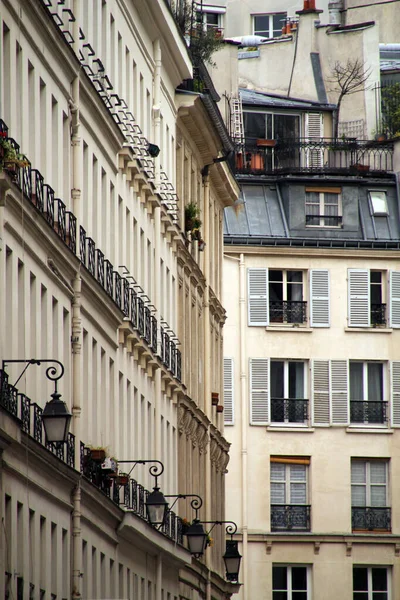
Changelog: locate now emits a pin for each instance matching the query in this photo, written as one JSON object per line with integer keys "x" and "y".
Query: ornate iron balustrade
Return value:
{"x": 147, "y": 324}
{"x": 357, "y": 157}
{"x": 154, "y": 334}
{"x": 378, "y": 314}
{"x": 369, "y": 411}
{"x": 29, "y": 414}
{"x": 288, "y": 517}
{"x": 369, "y": 518}
{"x": 328, "y": 220}
{"x": 285, "y": 311}
{"x": 178, "y": 365}
{"x": 289, "y": 410}
{"x": 140, "y": 316}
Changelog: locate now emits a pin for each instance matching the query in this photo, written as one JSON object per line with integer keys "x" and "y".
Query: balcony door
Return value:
{"x": 284, "y": 128}
{"x": 366, "y": 393}
{"x": 288, "y": 404}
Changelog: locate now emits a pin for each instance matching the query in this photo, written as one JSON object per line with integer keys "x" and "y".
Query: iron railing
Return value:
{"x": 288, "y": 517}
{"x": 131, "y": 495}
{"x": 326, "y": 220}
{"x": 285, "y": 311}
{"x": 289, "y": 410}
{"x": 29, "y": 415}
{"x": 357, "y": 157}
{"x": 378, "y": 314}
{"x": 370, "y": 518}
{"x": 369, "y": 411}
{"x": 63, "y": 222}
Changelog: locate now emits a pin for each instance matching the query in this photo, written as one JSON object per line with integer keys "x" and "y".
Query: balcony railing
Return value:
{"x": 290, "y": 517}
{"x": 359, "y": 157}
{"x": 378, "y": 314}
{"x": 370, "y": 411}
{"x": 289, "y": 410}
{"x": 368, "y": 518}
{"x": 285, "y": 311}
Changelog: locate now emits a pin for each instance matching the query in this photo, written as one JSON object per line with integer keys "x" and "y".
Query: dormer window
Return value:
{"x": 378, "y": 202}
{"x": 323, "y": 207}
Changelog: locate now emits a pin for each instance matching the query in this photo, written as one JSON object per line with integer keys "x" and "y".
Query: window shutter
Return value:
{"x": 258, "y": 296}
{"x": 339, "y": 392}
{"x": 319, "y": 298}
{"x": 228, "y": 392}
{"x": 313, "y": 123}
{"x": 395, "y": 392}
{"x": 394, "y": 290}
{"x": 320, "y": 392}
{"x": 259, "y": 391}
{"x": 358, "y": 285}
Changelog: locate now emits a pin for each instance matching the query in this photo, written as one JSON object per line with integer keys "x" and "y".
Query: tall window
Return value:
{"x": 271, "y": 125}
{"x": 369, "y": 495}
{"x": 289, "y": 509}
{"x": 288, "y": 391}
{"x": 323, "y": 207}
{"x": 210, "y": 20}
{"x": 290, "y": 583}
{"x": 370, "y": 583}
{"x": 269, "y": 26}
{"x": 366, "y": 393}
{"x": 286, "y": 296}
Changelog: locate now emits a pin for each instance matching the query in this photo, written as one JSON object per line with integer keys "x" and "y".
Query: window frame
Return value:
{"x": 368, "y": 484}
{"x": 365, "y": 364}
{"x": 287, "y": 481}
{"x": 289, "y": 590}
{"x": 270, "y": 24}
{"x": 370, "y": 591}
{"x": 322, "y": 205}
{"x": 378, "y": 213}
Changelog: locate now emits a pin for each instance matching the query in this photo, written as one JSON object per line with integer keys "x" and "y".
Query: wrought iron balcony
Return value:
{"x": 326, "y": 220}
{"x": 284, "y": 311}
{"x": 369, "y": 518}
{"x": 378, "y": 314}
{"x": 289, "y": 410}
{"x": 370, "y": 411}
{"x": 290, "y": 517}
{"x": 356, "y": 157}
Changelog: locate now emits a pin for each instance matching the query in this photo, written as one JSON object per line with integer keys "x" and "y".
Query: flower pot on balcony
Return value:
{"x": 220, "y": 408}
{"x": 257, "y": 162}
{"x": 239, "y": 160}
{"x": 360, "y": 168}
{"x": 97, "y": 454}
{"x": 214, "y": 398}
{"x": 109, "y": 466}
{"x": 122, "y": 479}
{"x": 261, "y": 143}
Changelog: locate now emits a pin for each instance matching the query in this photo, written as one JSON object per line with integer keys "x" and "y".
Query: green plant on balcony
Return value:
{"x": 10, "y": 159}
{"x": 192, "y": 217}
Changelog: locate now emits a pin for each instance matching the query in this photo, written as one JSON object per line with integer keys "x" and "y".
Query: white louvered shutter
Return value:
{"x": 319, "y": 298}
{"x": 339, "y": 392}
{"x": 258, "y": 296}
{"x": 320, "y": 392}
{"x": 395, "y": 392}
{"x": 228, "y": 392}
{"x": 359, "y": 298}
{"x": 259, "y": 391}
{"x": 314, "y": 133}
{"x": 394, "y": 290}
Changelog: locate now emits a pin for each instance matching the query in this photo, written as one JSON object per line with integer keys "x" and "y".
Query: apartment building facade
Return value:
{"x": 97, "y": 273}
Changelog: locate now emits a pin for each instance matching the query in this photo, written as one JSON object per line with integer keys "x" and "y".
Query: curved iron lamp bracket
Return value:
{"x": 156, "y": 470}
{"x": 196, "y": 503}
{"x": 231, "y": 528}
{"x": 51, "y": 372}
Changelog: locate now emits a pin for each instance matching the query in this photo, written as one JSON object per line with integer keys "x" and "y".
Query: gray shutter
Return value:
{"x": 319, "y": 298}
{"x": 228, "y": 392}
{"x": 259, "y": 391}
{"x": 395, "y": 392}
{"x": 339, "y": 392}
{"x": 320, "y": 392}
{"x": 359, "y": 300}
{"x": 394, "y": 291}
{"x": 314, "y": 156}
{"x": 258, "y": 296}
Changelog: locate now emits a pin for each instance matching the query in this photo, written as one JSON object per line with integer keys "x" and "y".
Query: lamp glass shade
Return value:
{"x": 232, "y": 560}
{"x": 56, "y": 420}
{"x": 153, "y": 150}
{"x": 156, "y": 506}
{"x": 197, "y": 538}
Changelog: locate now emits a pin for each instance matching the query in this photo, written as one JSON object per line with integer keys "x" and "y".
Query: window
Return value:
{"x": 366, "y": 393}
{"x": 271, "y": 126}
{"x": 290, "y": 583}
{"x": 323, "y": 207}
{"x": 288, "y": 404}
{"x": 289, "y": 508}
{"x": 211, "y": 17}
{"x": 369, "y": 495}
{"x": 370, "y": 583}
{"x": 374, "y": 298}
{"x": 269, "y": 26}
{"x": 278, "y": 296}
{"x": 378, "y": 203}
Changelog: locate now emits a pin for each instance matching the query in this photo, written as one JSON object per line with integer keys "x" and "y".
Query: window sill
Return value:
{"x": 368, "y": 429}
{"x": 290, "y": 428}
{"x": 289, "y": 327}
{"x": 368, "y": 329}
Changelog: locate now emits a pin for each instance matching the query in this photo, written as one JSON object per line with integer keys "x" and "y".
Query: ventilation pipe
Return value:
{"x": 335, "y": 12}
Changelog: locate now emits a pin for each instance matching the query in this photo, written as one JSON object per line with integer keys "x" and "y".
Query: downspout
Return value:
{"x": 244, "y": 417}
{"x": 158, "y": 577}
{"x": 76, "y": 334}
{"x": 157, "y": 238}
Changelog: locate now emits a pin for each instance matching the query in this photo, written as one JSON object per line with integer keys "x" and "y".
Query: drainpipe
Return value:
{"x": 335, "y": 9}
{"x": 76, "y": 543}
{"x": 158, "y": 577}
{"x": 244, "y": 419}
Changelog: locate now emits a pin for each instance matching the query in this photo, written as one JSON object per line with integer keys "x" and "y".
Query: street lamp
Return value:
{"x": 197, "y": 538}
{"x": 232, "y": 560}
{"x": 56, "y": 418}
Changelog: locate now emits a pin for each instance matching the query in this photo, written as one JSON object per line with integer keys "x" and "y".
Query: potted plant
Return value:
{"x": 109, "y": 466}
{"x": 122, "y": 479}
{"x": 192, "y": 217}
{"x": 10, "y": 159}
{"x": 214, "y": 398}
{"x": 98, "y": 454}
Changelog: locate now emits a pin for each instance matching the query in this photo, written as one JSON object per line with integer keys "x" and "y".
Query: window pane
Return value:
{"x": 377, "y": 472}
{"x": 360, "y": 596}
{"x": 278, "y": 22}
{"x": 379, "y": 203}
{"x": 279, "y": 595}
{"x": 299, "y": 595}
{"x": 378, "y": 495}
{"x": 375, "y": 276}
{"x": 279, "y": 578}
{"x": 299, "y": 578}
{"x": 278, "y": 493}
{"x": 261, "y": 25}
{"x": 379, "y": 596}
{"x": 379, "y": 580}
{"x": 375, "y": 381}
{"x": 254, "y": 125}
{"x": 296, "y": 380}
{"x": 358, "y": 495}
{"x": 360, "y": 579}
{"x": 286, "y": 126}
{"x": 275, "y": 291}
{"x": 298, "y": 472}
{"x": 212, "y": 19}
{"x": 277, "y": 472}
{"x": 277, "y": 388}
{"x": 358, "y": 471}
{"x": 295, "y": 276}
{"x": 356, "y": 381}
{"x": 298, "y": 493}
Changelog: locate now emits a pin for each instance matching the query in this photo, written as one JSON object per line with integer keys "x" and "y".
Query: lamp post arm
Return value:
{"x": 51, "y": 372}
{"x": 196, "y": 503}
{"x": 156, "y": 470}
{"x": 231, "y": 528}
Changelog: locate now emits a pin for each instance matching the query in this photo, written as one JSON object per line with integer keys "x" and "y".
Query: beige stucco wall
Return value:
{"x": 386, "y": 14}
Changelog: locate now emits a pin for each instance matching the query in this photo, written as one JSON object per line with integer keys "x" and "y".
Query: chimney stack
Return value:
{"x": 335, "y": 12}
